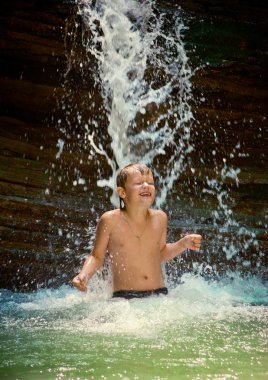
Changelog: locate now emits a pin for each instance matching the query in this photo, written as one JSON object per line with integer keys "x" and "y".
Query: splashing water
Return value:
{"x": 198, "y": 331}
{"x": 143, "y": 73}
{"x": 139, "y": 109}
{"x": 141, "y": 67}
{"x": 201, "y": 330}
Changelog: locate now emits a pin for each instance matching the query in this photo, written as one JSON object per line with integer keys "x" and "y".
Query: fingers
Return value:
{"x": 196, "y": 246}
{"x": 196, "y": 241}
{"x": 79, "y": 284}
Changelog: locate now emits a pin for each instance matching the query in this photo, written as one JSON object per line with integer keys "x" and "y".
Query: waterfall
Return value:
{"x": 145, "y": 77}
{"x": 137, "y": 73}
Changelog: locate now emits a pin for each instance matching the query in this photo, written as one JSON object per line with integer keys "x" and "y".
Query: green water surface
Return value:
{"x": 189, "y": 336}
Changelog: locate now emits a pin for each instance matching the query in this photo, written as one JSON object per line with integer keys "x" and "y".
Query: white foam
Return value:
{"x": 95, "y": 312}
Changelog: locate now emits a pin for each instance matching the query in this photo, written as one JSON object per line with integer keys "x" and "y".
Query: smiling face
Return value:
{"x": 138, "y": 188}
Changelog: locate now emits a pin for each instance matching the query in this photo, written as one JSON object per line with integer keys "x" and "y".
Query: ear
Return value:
{"x": 121, "y": 192}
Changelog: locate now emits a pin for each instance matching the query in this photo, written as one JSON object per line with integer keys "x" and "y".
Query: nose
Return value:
{"x": 145, "y": 184}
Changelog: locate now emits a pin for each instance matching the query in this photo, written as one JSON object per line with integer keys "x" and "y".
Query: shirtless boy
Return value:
{"x": 135, "y": 237}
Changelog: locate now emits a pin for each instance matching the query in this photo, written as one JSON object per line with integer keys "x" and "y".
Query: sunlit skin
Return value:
{"x": 135, "y": 239}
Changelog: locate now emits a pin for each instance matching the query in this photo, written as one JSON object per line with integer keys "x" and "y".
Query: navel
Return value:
{"x": 145, "y": 277}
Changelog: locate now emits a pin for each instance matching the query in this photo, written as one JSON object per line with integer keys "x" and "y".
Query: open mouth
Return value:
{"x": 145, "y": 194}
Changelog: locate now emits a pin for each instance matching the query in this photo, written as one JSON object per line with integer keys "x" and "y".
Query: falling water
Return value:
{"x": 140, "y": 66}
{"x": 145, "y": 80}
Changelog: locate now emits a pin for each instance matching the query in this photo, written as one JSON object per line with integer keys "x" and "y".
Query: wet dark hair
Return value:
{"x": 124, "y": 173}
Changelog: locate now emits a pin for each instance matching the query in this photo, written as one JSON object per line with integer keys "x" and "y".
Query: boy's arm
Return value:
{"x": 95, "y": 260}
{"x": 171, "y": 250}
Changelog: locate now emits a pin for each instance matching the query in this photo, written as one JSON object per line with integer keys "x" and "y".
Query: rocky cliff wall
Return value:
{"x": 44, "y": 218}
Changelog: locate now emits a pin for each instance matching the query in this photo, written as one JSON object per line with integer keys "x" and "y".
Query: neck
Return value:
{"x": 138, "y": 214}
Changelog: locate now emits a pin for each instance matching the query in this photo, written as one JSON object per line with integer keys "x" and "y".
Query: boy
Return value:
{"x": 135, "y": 237}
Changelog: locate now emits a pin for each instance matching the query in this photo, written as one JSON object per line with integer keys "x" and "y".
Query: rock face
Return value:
{"x": 32, "y": 57}
{"x": 45, "y": 218}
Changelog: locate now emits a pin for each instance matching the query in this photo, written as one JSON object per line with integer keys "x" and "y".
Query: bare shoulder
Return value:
{"x": 159, "y": 214}
{"x": 109, "y": 218}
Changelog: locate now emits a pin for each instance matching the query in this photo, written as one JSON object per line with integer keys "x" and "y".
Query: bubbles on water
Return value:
{"x": 66, "y": 309}
{"x": 65, "y": 334}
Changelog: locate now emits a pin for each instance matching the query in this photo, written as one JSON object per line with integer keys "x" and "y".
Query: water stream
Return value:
{"x": 144, "y": 76}
{"x": 141, "y": 65}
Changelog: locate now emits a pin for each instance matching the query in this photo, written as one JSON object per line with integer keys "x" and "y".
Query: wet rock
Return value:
{"x": 46, "y": 214}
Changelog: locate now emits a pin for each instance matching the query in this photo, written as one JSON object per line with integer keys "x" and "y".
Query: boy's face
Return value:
{"x": 139, "y": 188}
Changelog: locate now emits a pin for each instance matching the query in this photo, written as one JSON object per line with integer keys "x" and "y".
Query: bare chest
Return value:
{"x": 126, "y": 242}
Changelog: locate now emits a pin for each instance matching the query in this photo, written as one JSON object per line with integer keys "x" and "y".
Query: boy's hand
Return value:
{"x": 80, "y": 282}
{"x": 192, "y": 241}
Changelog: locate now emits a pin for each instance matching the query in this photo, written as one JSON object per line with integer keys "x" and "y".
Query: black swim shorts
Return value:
{"x": 128, "y": 294}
